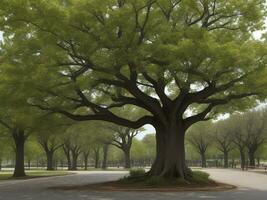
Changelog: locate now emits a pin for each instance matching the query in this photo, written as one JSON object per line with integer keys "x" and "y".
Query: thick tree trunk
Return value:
{"x": 49, "y": 156}
{"x": 19, "y": 138}
{"x": 127, "y": 158}
{"x": 105, "y": 156}
{"x": 225, "y": 159}
{"x": 170, "y": 153}
{"x": 203, "y": 160}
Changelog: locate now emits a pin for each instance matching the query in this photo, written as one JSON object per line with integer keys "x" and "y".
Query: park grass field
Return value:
{"x": 7, "y": 175}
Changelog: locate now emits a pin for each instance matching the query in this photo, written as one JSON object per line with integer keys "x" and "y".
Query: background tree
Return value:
{"x": 223, "y": 139}
{"x": 255, "y": 128}
{"x": 123, "y": 139}
{"x": 149, "y": 148}
{"x": 200, "y": 137}
{"x": 31, "y": 150}
{"x": 49, "y": 136}
{"x": 238, "y": 137}
{"x": 50, "y": 145}
{"x": 67, "y": 150}
{"x": 201, "y": 52}
{"x": 73, "y": 145}
{"x": 4, "y": 147}
{"x": 19, "y": 123}
{"x": 105, "y": 148}
{"x": 138, "y": 154}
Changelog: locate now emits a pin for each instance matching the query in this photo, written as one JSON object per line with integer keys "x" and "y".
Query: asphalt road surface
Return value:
{"x": 251, "y": 186}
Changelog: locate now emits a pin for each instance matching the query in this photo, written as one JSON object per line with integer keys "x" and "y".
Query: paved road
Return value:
{"x": 251, "y": 186}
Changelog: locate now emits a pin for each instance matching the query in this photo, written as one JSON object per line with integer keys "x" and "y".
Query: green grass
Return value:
{"x": 137, "y": 177}
{"x": 7, "y": 175}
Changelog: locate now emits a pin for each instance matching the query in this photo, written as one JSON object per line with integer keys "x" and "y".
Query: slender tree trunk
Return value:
{"x": 170, "y": 153}
{"x": 97, "y": 158}
{"x": 49, "y": 156}
{"x": 74, "y": 160}
{"x": 258, "y": 162}
{"x": 86, "y": 163}
{"x": 19, "y": 138}
{"x": 251, "y": 154}
{"x": 203, "y": 160}
{"x": 105, "y": 156}
{"x": 225, "y": 159}
{"x": 69, "y": 162}
{"x": 67, "y": 154}
{"x": 85, "y": 157}
{"x": 55, "y": 164}
{"x": 233, "y": 163}
{"x": 242, "y": 159}
{"x": 127, "y": 158}
{"x": 62, "y": 164}
{"x": 29, "y": 164}
{"x": 0, "y": 164}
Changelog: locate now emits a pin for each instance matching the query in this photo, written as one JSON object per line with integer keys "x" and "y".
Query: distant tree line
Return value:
{"x": 242, "y": 136}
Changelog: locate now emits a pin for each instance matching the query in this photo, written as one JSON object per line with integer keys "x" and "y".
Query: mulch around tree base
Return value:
{"x": 116, "y": 186}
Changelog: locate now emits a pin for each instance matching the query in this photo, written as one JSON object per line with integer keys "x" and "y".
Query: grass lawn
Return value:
{"x": 7, "y": 175}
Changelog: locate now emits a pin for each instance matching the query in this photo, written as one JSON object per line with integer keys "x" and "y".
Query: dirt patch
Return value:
{"x": 118, "y": 186}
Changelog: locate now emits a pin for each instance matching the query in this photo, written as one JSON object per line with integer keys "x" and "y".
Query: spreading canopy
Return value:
{"x": 169, "y": 56}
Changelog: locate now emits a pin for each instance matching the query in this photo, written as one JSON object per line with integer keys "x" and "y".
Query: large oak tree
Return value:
{"x": 181, "y": 61}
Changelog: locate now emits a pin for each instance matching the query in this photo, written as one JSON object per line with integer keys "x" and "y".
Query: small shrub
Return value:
{"x": 138, "y": 177}
{"x": 137, "y": 172}
{"x": 200, "y": 177}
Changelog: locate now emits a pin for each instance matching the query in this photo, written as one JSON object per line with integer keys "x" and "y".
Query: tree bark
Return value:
{"x": 170, "y": 153}
{"x": 86, "y": 163}
{"x": 105, "y": 156}
{"x": 251, "y": 155}
{"x": 225, "y": 159}
{"x": 203, "y": 160}
{"x": 19, "y": 138}
{"x": 127, "y": 158}
{"x": 242, "y": 158}
{"x": 67, "y": 154}
{"x": 75, "y": 152}
{"x": 49, "y": 156}
{"x": 74, "y": 162}
{"x": 96, "y": 151}
{"x": 85, "y": 159}
{"x": 29, "y": 165}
